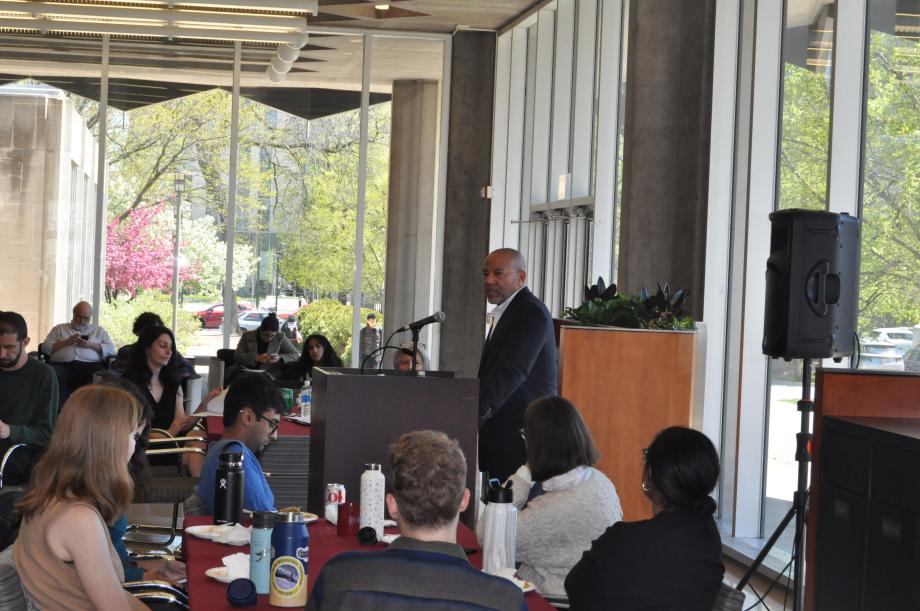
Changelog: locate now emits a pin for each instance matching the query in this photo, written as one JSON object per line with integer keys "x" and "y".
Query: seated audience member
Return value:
{"x": 317, "y": 352}
{"x": 402, "y": 359}
{"x": 672, "y": 561}
{"x": 153, "y": 369}
{"x": 265, "y": 348}
{"x": 145, "y": 569}
{"x": 143, "y": 321}
{"x": 28, "y": 400}
{"x": 77, "y": 350}
{"x": 425, "y": 566}
{"x": 289, "y": 330}
{"x": 252, "y": 413}
{"x": 80, "y": 486}
{"x": 564, "y": 503}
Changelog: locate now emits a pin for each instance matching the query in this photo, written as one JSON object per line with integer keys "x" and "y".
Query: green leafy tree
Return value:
{"x": 333, "y": 319}
{"x": 117, "y": 317}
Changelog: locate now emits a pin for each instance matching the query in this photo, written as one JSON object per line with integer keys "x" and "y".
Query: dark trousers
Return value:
{"x": 501, "y": 447}
{"x": 72, "y": 376}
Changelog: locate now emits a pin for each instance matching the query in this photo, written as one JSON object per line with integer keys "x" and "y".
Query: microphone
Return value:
{"x": 418, "y": 324}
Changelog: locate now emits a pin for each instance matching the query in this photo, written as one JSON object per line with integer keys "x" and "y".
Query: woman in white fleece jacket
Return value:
{"x": 564, "y": 503}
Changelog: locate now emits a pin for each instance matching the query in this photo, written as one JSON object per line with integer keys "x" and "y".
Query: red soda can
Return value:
{"x": 335, "y": 496}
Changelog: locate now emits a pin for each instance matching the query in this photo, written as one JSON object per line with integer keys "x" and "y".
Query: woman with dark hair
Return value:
{"x": 81, "y": 484}
{"x": 317, "y": 352}
{"x": 143, "y": 321}
{"x": 672, "y": 561}
{"x": 152, "y": 368}
{"x": 564, "y": 503}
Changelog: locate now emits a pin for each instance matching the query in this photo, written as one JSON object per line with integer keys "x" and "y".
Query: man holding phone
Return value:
{"x": 77, "y": 349}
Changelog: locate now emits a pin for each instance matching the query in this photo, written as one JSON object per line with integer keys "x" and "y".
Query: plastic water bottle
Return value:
{"x": 373, "y": 486}
{"x": 306, "y": 399}
{"x": 500, "y": 530}
{"x": 260, "y": 550}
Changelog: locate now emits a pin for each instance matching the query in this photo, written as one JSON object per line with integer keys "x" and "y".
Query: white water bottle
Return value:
{"x": 373, "y": 486}
{"x": 500, "y": 529}
{"x": 306, "y": 399}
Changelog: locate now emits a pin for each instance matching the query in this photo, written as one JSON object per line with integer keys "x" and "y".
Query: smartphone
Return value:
{"x": 84, "y": 337}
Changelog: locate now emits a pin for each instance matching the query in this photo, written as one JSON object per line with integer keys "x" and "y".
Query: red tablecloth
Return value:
{"x": 287, "y": 428}
{"x": 208, "y": 595}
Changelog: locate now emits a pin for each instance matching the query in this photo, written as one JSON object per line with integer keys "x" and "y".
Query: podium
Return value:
{"x": 356, "y": 417}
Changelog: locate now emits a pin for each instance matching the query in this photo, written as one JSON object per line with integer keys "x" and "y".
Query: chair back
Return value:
{"x": 11, "y": 594}
{"x": 728, "y": 599}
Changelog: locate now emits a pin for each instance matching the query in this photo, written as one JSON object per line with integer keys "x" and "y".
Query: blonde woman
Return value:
{"x": 80, "y": 486}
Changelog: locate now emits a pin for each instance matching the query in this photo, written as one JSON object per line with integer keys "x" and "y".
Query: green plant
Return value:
{"x": 664, "y": 310}
{"x": 117, "y": 317}
{"x": 603, "y": 306}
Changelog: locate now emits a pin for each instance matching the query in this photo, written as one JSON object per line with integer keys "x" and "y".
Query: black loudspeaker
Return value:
{"x": 811, "y": 285}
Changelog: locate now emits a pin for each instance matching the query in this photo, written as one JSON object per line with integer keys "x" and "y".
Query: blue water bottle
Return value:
{"x": 260, "y": 550}
{"x": 290, "y": 552}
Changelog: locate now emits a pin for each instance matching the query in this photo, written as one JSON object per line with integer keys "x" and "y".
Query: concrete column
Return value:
{"x": 469, "y": 166}
{"x": 666, "y": 146}
{"x": 411, "y": 202}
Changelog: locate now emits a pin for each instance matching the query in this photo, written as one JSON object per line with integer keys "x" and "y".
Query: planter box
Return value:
{"x": 628, "y": 385}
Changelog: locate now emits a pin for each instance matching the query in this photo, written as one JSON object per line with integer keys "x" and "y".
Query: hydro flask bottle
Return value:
{"x": 228, "y": 489}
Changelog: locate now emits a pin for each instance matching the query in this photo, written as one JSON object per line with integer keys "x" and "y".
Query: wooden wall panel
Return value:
{"x": 842, "y": 392}
{"x": 628, "y": 385}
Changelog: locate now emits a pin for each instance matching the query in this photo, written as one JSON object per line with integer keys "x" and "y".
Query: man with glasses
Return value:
{"x": 76, "y": 349}
{"x": 28, "y": 400}
{"x": 252, "y": 412}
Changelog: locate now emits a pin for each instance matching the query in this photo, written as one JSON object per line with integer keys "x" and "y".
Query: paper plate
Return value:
{"x": 221, "y": 574}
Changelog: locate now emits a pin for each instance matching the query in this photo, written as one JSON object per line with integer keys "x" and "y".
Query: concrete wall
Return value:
{"x": 469, "y": 167}
{"x": 666, "y": 146}
{"x": 411, "y": 203}
{"x": 46, "y": 233}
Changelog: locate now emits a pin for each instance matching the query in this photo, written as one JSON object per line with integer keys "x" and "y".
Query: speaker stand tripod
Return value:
{"x": 799, "y": 507}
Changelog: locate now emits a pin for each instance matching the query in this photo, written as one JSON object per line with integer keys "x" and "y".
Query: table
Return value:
{"x": 286, "y": 460}
{"x": 209, "y": 595}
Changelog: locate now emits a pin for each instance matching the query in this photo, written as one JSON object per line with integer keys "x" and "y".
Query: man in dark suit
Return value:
{"x": 518, "y": 363}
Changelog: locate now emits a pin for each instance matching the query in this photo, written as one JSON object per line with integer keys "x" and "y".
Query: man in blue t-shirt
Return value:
{"x": 252, "y": 412}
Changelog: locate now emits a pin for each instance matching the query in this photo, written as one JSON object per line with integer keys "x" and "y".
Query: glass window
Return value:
{"x": 889, "y": 282}
{"x": 802, "y": 166}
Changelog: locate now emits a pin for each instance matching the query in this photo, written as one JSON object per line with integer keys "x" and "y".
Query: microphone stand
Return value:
{"x": 415, "y": 332}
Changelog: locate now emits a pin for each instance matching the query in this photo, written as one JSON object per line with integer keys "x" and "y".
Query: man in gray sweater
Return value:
{"x": 28, "y": 400}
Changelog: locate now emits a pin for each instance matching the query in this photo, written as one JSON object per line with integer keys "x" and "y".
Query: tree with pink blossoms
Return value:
{"x": 139, "y": 253}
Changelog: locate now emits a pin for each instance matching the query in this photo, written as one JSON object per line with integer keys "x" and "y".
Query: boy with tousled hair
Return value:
{"x": 425, "y": 566}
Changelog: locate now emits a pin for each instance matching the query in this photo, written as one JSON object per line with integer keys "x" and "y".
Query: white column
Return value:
{"x": 231, "y": 191}
{"x": 516, "y": 105}
{"x": 719, "y": 212}
{"x": 583, "y": 110}
{"x": 749, "y": 477}
{"x": 542, "y": 107}
{"x": 847, "y": 116}
{"x": 500, "y": 127}
{"x": 611, "y": 40}
{"x": 101, "y": 191}
{"x": 361, "y": 204}
{"x": 562, "y": 100}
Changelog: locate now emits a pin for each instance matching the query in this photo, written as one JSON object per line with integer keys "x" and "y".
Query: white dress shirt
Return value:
{"x": 70, "y": 353}
{"x": 496, "y": 313}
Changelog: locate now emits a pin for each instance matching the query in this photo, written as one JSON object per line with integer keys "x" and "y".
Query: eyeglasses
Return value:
{"x": 273, "y": 424}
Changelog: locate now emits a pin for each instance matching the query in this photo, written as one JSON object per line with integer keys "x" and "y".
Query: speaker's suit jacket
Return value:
{"x": 518, "y": 365}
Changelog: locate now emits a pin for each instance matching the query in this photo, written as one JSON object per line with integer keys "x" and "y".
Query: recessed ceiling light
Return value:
{"x": 382, "y": 7}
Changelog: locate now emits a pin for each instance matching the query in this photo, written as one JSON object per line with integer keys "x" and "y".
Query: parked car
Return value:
{"x": 880, "y": 355}
{"x": 901, "y": 337}
{"x": 213, "y": 316}
{"x": 912, "y": 360}
{"x": 250, "y": 321}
